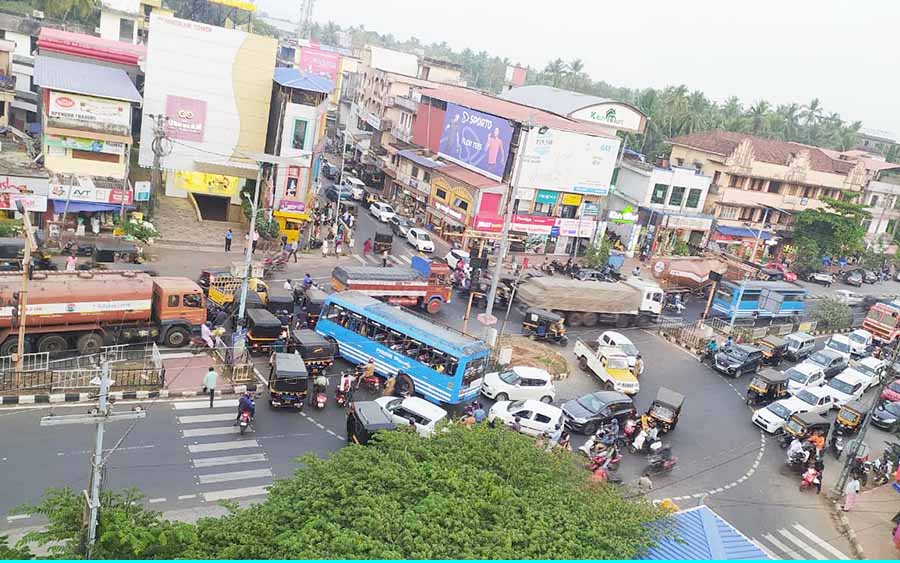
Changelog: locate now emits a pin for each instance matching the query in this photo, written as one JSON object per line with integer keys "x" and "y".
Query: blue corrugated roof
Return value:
{"x": 700, "y": 533}
{"x": 419, "y": 159}
{"x": 294, "y": 78}
{"x": 743, "y": 232}
{"x": 84, "y": 78}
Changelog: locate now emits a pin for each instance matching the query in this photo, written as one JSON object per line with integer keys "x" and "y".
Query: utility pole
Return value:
{"x": 102, "y": 415}
{"x": 472, "y": 287}
{"x": 30, "y": 246}
{"x": 752, "y": 257}
{"x": 248, "y": 254}
{"x": 159, "y": 150}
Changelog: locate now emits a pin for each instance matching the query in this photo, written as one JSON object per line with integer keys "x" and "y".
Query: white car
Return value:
{"x": 806, "y": 374}
{"x": 848, "y": 386}
{"x": 773, "y": 417}
{"x": 455, "y": 256}
{"x": 535, "y": 417}
{"x": 519, "y": 383}
{"x": 424, "y": 415}
{"x": 420, "y": 239}
{"x": 848, "y": 297}
{"x": 840, "y": 344}
{"x": 868, "y": 369}
{"x": 860, "y": 341}
{"x": 381, "y": 211}
{"x": 620, "y": 341}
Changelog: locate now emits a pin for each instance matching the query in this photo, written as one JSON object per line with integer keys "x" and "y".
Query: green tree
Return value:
{"x": 8, "y": 553}
{"x": 807, "y": 257}
{"x": 832, "y": 314}
{"x": 596, "y": 254}
{"x": 462, "y": 494}
{"x": 555, "y": 72}
{"x": 836, "y": 229}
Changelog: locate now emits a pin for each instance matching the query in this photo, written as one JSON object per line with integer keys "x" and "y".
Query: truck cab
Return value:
{"x": 651, "y": 295}
{"x": 179, "y": 308}
{"x": 609, "y": 364}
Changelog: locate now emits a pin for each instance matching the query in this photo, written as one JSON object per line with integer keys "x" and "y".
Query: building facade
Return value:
{"x": 128, "y": 20}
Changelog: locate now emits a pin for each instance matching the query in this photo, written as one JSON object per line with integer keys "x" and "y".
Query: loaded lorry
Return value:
{"x": 425, "y": 285}
{"x": 86, "y": 310}
{"x": 588, "y": 303}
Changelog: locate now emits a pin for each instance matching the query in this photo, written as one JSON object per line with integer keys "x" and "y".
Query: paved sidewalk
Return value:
{"x": 871, "y": 521}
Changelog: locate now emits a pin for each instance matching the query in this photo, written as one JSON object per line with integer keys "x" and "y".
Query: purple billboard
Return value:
{"x": 476, "y": 140}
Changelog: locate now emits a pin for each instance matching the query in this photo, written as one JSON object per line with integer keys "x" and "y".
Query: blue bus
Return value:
{"x": 446, "y": 366}
{"x": 761, "y": 299}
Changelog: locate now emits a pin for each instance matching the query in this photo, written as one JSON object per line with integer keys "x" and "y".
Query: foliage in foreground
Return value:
{"x": 467, "y": 494}
{"x": 832, "y": 314}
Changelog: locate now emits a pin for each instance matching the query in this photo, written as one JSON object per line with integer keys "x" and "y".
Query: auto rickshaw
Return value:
{"x": 279, "y": 299}
{"x": 12, "y": 252}
{"x": 666, "y": 408}
{"x": 543, "y": 324}
{"x": 288, "y": 381}
{"x": 767, "y": 386}
{"x": 253, "y": 301}
{"x": 263, "y": 329}
{"x": 365, "y": 419}
{"x": 803, "y": 425}
{"x": 317, "y": 351}
{"x": 116, "y": 253}
{"x": 311, "y": 302}
{"x": 382, "y": 242}
{"x": 773, "y": 349}
{"x": 849, "y": 417}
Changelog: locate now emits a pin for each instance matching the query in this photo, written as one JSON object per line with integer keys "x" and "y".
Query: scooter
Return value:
{"x": 244, "y": 421}
{"x": 340, "y": 397}
{"x": 320, "y": 399}
{"x": 371, "y": 382}
{"x": 661, "y": 462}
{"x": 810, "y": 478}
{"x": 608, "y": 458}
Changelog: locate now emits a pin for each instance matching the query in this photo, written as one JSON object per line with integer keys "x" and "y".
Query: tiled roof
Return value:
{"x": 701, "y": 534}
{"x": 84, "y": 78}
{"x": 465, "y": 175}
{"x": 88, "y": 46}
{"x": 295, "y": 78}
{"x": 765, "y": 150}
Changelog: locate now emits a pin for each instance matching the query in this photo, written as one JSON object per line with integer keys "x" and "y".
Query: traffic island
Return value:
{"x": 528, "y": 352}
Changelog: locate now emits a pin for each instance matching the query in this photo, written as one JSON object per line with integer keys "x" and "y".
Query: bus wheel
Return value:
{"x": 410, "y": 386}
{"x": 433, "y": 306}
{"x": 89, "y": 343}
{"x": 52, "y": 343}
{"x": 589, "y": 320}
{"x": 574, "y": 319}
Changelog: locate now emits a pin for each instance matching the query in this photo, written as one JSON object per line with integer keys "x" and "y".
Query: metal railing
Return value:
{"x": 79, "y": 380}
{"x": 41, "y": 361}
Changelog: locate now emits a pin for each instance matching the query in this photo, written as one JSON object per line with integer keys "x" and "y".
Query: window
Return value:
{"x": 756, "y": 184}
{"x": 677, "y": 195}
{"x": 174, "y": 300}
{"x": 874, "y": 201}
{"x": 693, "y": 199}
{"x": 96, "y": 156}
{"x": 747, "y": 214}
{"x": 520, "y": 206}
{"x": 426, "y": 176}
{"x": 542, "y": 418}
{"x": 192, "y": 300}
{"x": 543, "y": 209}
{"x": 440, "y": 194}
{"x": 891, "y": 226}
{"x": 415, "y": 172}
{"x": 461, "y": 204}
{"x": 774, "y": 187}
{"x": 728, "y": 212}
{"x": 126, "y": 30}
{"x": 866, "y": 224}
{"x": 715, "y": 179}
{"x": 679, "y": 161}
{"x": 736, "y": 182}
{"x": 659, "y": 193}
{"x": 568, "y": 211}
{"x": 298, "y": 139}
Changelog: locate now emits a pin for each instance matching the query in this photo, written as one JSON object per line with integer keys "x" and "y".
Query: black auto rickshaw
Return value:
{"x": 311, "y": 303}
{"x": 10, "y": 251}
{"x": 545, "y": 325}
{"x": 106, "y": 253}
{"x": 317, "y": 351}
{"x": 666, "y": 408}
{"x": 288, "y": 381}
{"x": 850, "y": 416}
{"x": 773, "y": 349}
{"x": 364, "y": 420}
{"x": 803, "y": 426}
{"x": 382, "y": 242}
{"x": 280, "y": 299}
{"x": 767, "y": 386}
{"x": 253, "y": 301}
{"x": 263, "y": 329}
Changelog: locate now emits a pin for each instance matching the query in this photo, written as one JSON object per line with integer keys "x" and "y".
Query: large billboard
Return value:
{"x": 568, "y": 162}
{"x": 479, "y": 141}
{"x": 186, "y": 118}
{"x": 86, "y": 112}
{"x": 321, "y": 63}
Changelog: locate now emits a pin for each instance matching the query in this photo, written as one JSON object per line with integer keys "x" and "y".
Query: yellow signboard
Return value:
{"x": 571, "y": 199}
{"x": 239, "y": 4}
{"x": 203, "y": 183}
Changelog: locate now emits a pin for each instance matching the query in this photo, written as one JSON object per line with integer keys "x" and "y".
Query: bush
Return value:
{"x": 681, "y": 249}
{"x": 596, "y": 255}
{"x": 266, "y": 227}
{"x": 831, "y": 313}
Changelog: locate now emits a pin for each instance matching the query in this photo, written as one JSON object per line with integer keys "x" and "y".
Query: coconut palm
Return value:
{"x": 555, "y": 71}
{"x": 758, "y": 117}
{"x": 812, "y": 112}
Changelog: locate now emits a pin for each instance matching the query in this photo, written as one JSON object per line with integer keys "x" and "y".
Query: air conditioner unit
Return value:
{"x": 37, "y": 14}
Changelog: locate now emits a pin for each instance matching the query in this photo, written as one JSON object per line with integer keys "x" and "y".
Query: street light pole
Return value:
{"x": 248, "y": 255}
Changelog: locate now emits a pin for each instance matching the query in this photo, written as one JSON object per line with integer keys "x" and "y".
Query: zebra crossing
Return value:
{"x": 797, "y": 542}
{"x": 373, "y": 260}
{"x": 220, "y": 456}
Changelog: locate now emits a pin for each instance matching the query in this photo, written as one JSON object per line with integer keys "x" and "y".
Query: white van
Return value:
{"x": 355, "y": 186}
{"x": 860, "y": 342}
{"x": 840, "y": 344}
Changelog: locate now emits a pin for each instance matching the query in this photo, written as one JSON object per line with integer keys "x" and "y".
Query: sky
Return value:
{"x": 845, "y": 53}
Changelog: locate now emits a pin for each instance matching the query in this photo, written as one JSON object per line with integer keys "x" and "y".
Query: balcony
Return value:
{"x": 7, "y": 82}
{"x": 405, "y": 103}
{"x": 401, "y": 133}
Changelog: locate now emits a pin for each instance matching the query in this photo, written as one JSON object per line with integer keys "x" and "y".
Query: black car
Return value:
{"x": 854, "y": 278}
{"x": 887, "y": 416}
{"x": 400, "y": 225}
{"x": 832, "y": 362}
{"x": 332, "y": 193}
{"x": 738, "y": 359}
{"x": 588, "y": 413}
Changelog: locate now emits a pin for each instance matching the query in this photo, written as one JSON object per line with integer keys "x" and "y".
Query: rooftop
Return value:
{"x": 557, "y": 100}
{"x": 15, "y": 159}
{"x": 88, "y": 46}
{"x": 420, "y": 159}
{"x": 701, "y": 534}
{"x": 467, "y": 176}
{"x": 295, "y": 78}
{"x": 84, "y": 78}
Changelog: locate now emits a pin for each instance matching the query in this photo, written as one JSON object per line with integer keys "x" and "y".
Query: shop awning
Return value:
{"x": 59, "y": 205}
{"x": 743, "y": 232}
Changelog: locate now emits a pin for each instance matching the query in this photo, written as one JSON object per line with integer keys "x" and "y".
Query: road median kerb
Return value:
{"x": 57, "y": 398}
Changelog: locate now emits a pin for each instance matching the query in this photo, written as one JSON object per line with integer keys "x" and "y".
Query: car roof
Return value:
{"x": 807, "y": 367}
{"x": 831, "y": 353}
{"x": 615, "y": 335}
{"x": 870, "y": 361}
{"x": 532, "y": 372}
{"x": 539, "y": 406}
{"x": 611, "y": 397}
{"x": 861, "y": 331}
{"x": 817, "y": 391}
{"x": 840, "y": 337}
{"x": 423, "y": 407}
{"x": 849, "y": 375}
{"x": 800, "y": 336}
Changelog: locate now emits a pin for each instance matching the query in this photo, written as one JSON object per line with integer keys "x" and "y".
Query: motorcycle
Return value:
{"x": 78, "y": 249}
{"x": 798, "y": 461}
{"x": 244, "y": 420}
{"x": 810, "y": 478}
{"x": 645, "y": 443}
{"x": 836, "y": 445}
{"x": 320, "y": 399}
{"x": 661, "y": 462}
{"x": 371, "y": 382}
{"x": 340, "y": 397}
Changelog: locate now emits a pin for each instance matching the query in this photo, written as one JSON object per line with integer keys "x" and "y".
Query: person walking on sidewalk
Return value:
{"x": 367, "y": 247}
{"x": 255, "y": 241}
{"x": 384, "y": 256}
{"x": 209, "y": 384}
{"x": 229, "y": 235}
{"x": 851, "y": 491}
{"x": 292, "y": 250}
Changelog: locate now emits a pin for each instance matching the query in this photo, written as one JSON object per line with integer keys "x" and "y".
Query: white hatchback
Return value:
{"x": 534, "y": 417}
{"x": 519, "y": 383}
{"x": 803, "y": 375}
{"x": 455, "y": 256}
{"x": 847, "y": 386}
{"x": 422, "y": 414}
{"x": 381, "y": 211}
{"x": 420, "y": 239}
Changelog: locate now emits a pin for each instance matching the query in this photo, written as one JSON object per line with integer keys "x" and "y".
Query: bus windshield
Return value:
{"x": 878, "y": 315}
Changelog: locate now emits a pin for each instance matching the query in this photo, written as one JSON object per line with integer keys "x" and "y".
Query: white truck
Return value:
{"x": 589, "y": 303}
{"x": 609, "y": 364}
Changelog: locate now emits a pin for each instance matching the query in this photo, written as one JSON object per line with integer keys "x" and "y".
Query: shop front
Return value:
{"x": 448, "y": 213}
{"x": 741, "y": 240}
{"x": 90, "y": 205}
{"x": 213, "y": 193}
{"x": 32, "y": 192}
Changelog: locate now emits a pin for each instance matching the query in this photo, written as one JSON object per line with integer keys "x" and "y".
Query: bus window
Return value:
{"x": 333, "y": 312}
{"x": 474, "y": 370}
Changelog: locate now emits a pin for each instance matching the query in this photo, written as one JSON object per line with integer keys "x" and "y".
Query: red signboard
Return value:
{"x": 487, "y": 223}
{"x": 322, "y": 63}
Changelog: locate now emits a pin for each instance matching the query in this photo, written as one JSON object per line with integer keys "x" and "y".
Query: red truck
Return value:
{"x": 425, "y": 285}
{"x": 883, "y": 322}
{"x": 85, "y": 310}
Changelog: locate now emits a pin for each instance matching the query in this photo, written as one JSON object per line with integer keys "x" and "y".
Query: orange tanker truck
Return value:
{"x": 86, "y": 310}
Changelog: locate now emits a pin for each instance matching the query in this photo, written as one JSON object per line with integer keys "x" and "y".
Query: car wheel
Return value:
{"x": 547, "y": 399}
{"x": 590, "y": 428}
{"x": 501, "y": 397}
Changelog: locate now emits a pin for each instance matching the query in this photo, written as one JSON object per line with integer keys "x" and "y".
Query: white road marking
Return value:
{"x": 222, "y": 446}
{"x": 260, "y": 377}
{"x": 396, "y": 260}
{"x": 799, "y": 543}
{"x": 205, "y": 418}
{"x": 187, "y": 405}
{"x": 820, "y": 542}
{"x": 786, "y": 552}
{"x": 406, "y": 259}
{"x": 234, "y": 476}
{"x": 15, "y": 517}
{"x": 235, "y": 493}
{"x": 360, "y": 259}
{"x": 217, "y": 431}
{"x": 227, "y": 460}
{"x": 156, "y": 500}
{"x": 186, "y": 497}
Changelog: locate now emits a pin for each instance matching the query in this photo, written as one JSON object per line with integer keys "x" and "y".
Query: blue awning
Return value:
{"x": 743, "y": 232}
{"x": 59, "y": 205}
{"x": 701, "y": 534}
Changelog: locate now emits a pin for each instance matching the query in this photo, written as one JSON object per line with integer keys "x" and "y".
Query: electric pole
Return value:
{"x": 102, "y": 415}
{"x": 30, "y": 246}
{"x": 160, "y": 149}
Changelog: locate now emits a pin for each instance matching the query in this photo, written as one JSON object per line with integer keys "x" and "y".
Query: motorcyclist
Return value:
{"x": 795, "y": 448}
{"x": 245, "y": 403}
{"x": 307, "y": 281}
{"x": 345, "y": 386}
{"x": 320, "y": 383}
{"x": 711, "y": 348}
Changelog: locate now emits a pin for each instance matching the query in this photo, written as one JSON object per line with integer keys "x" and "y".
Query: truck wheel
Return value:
{"x": 177, "y": 337}
{"x": 574, "y": 319}
{"x": 433, "y": 306}
{"x": 582, "y": 362}
{"x": 10, "y": 346}
{"x": 89, "y": 343}
{"x": 52, "y": 343}
{"x": 589, "y": 319}
{"x": 623, "y": 321}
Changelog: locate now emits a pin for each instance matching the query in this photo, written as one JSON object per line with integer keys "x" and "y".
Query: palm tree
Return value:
{"x": 812, "y": 112}
{"x": 555, "y": 70}
{"x": 790, "y": 121}
{"x": 574, "y": 72}
{"x": 758, "y": 117}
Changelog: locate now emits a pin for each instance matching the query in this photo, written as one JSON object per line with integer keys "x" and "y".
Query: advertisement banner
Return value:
{"x": 488, "y": 223}
{"x": 321, "y": 63}
{"x": 545, "y": 196}
{"x": 142, "y": 191}
{"x": 186, "y": 118}
{"x": 86, "y": 112}
{"x": 583, "y": 228}
{"x": 212, "y": 184}
{"x": 24, "y": 185}
{"x": 89, "y": 193}
{"x": 533, "y": 224}
{"x": 476, "y": 140}
{"x": 8, "y": 202}
{"x": 524, "y": 194}
{"x": 292, "y": 206}
{"x": 568, "y": 162}
{"x": 88, "y": 145}
{"x": 571, "y": 199}
{"x": 591, "y": 209}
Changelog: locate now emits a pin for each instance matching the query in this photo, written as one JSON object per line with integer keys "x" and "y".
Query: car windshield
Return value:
{"x": 629, "y": 348}
{"x": 858, "y": 338}
{"x": 864, "y": 369}
{"x": 462, "y": 257}
{"x": 821, "y": 358}
{"x": 509, "y": 377}
{"x": 807, "y": 397}
{"x": 838, "y": 345}
{"x": 895, "y": 387}
{"x": 849, "y": 416}
{"x": 423, "y": 236}
{"x": 893, "y": 408}
{"x": 387, "y": 208}
{"x": 515, "y": 405}
{"x": 841, "y": 386}
{"x": 795, "y": 427}
{"x": 738, "y": 353}
{"x": 617, "y": 362}
{"x": 592, "y": 403}
{"x": 797, "y": 376}
{"x": 780, "y": 411}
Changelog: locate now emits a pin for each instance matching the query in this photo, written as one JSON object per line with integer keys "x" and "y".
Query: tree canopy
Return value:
{"x": 476, "y": 493}
{"x": 834, "y": 230}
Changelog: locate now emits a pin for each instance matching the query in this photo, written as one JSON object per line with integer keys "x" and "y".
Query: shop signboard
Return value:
{"x": 475, "y": 140}
{"x": 142, "y": 191}
{"x": 625, "y": 216}
{"x": 533, "y": 224}
{"x": 546, "y": 196}
{"x": 488, "y": 223}
{"x": 524, "y": 194}
{"x": 448, "y": 211}
{"x": 89, "y": 193}
{"x": 185, "y": 118}
{"x": 568, "y": 162}
{"x": 571, "y": 199}
{"x": 9, "y": 201}
{"x": 591, "y": 209}
{"x": 292, "y": 206}
{"x": 87, "y": 145}
{"x": 203, "y": 183}
{"x": 321, "y": 63}
{"x": 86, "y": 112}
{"x": 583, "y": 228}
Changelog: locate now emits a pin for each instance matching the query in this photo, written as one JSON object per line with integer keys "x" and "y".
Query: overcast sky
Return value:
{"x": 845, "y": 53}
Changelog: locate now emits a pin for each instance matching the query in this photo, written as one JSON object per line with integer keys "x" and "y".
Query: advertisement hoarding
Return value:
{"x": 568, "y": 162}
{"x": 87, "y": 145}
{"x": 321, "y": 63}
{"x": 203, "y": 183}
{"x": 476, "y": 140}
{"x": 185, "y": 118}
{"x": 89, "y": 193}
{"x": 86, "y": 112}
{"x": 32, "y": 192}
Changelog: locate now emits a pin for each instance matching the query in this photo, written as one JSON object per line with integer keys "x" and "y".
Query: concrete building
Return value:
{"x": 877, "y": 141}
{"x": 7, "y": 80}
{"x": 128, "y": 20}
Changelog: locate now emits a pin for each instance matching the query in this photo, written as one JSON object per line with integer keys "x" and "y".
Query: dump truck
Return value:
{"x": 589, "y": 303}
{"x": 85, "y": 310}
{"x": 425, "y": 285}
{"x": 686, "y": 272}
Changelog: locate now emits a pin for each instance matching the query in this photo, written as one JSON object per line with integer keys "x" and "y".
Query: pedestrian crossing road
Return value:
{"x": 797, "y": 542}
{"x": 373, "y": 260}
